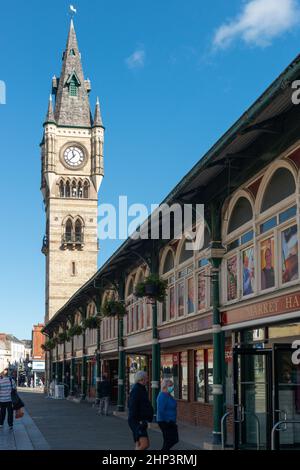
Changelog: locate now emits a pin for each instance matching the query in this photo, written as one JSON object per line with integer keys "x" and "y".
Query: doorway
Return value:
{"x": 266, "y": 390}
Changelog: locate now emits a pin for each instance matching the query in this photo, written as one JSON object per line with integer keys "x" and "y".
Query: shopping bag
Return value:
{"x": 19, "y": 413}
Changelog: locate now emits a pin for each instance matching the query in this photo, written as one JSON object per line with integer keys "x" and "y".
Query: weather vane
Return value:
{"x": 73, "y": 11}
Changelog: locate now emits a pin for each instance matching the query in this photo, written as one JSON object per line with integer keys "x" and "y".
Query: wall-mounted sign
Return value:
{"x": 38, "y": 365}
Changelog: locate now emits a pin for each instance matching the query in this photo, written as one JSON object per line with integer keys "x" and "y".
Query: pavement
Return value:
{"x": 50, "y": 424}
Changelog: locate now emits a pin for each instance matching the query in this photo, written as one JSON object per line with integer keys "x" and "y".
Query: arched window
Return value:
{"x": 185, "y": 254}
{"x": 281, "y": 185}
{"x": 207, "y": 238}
{"x": 130, "y": 288}
{"x": 241, "y": 214}
{"x": 169, "y": 262}
{"x": 74, "y": 189}
{"x": 61, "y": 189}
{"x": 78, "y": 231}
{"x": 79, "y": 189}
{"x": 68, "y": 230}
{"x": 86, "y": 190}
{"x": 68, "y": 189}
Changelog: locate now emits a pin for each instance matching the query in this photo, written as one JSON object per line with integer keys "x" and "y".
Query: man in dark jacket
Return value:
{"x": 104, "y": 395}
{"x": 140, "y": 411}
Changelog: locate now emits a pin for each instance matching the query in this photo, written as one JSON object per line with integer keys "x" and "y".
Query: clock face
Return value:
{"x": 74, "y": 156}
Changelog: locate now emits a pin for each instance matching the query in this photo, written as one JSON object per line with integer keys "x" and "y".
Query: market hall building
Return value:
{"x": 226, "y": 331}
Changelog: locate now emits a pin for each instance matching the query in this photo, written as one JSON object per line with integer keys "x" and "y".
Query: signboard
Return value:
{"x": 275, "y": 306}
{"x": 38, "y": 365}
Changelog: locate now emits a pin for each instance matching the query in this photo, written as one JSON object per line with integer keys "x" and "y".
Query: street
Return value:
{"x": 64, "y": 425}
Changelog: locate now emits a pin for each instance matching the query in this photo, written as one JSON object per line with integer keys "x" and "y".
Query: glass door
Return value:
{"x": 252, "y": 398}
{"x": 286, "y": 395}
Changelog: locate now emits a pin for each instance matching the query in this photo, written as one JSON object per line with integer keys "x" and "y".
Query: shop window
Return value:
{"x": 169, "y": 370}
{"x": 281, "y": 186}
{"x": 183, "y": 375}
{"x": 241, "y": 214}
{"x": 200, "y": 376}
{"x": 203, "y": 375}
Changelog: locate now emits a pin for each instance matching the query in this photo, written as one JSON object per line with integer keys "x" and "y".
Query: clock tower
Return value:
{"x": 72, "y": 172}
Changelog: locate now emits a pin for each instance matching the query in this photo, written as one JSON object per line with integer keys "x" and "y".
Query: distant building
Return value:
{"x": 15, "y": 347}
{"x": 38, "y": 355}
{"x": 5, "y": 355}
{"x": 28, "y": 348}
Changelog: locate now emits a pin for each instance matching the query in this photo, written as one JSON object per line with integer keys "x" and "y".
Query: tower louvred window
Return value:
{"x": 73, "y": 87}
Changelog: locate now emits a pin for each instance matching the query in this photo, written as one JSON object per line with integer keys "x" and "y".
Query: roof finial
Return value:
{"x": 97, "y": 116}
{"x": 50, "y": 113}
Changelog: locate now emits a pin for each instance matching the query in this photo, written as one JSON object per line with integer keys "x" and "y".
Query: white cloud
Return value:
{"x": 259, "y": 22}
{"x": 137, "y": 59}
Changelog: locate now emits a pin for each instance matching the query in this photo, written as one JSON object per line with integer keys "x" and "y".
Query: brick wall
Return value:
{"x": 37, "y": 340}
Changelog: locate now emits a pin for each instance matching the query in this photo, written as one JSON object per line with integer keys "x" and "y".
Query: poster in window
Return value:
{"x": 201, "y": 291}
{"x": 200, "y": 375}
{"x": 184, "y": 375}
{"x": 232, "y": 278}
{"x": 267, "y": 263}
{"x": 172, "y": 303}
{"x": 191, "y": 304}
{"x": 248, "y": 271}
{"x": 181, "y": 299}
{"x": 289, "y": 246}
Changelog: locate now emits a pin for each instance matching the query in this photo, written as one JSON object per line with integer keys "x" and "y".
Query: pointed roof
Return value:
{"x": 50, "y": 113}
{"x": 97, "y": 117}
{"x": 72, "y": 110}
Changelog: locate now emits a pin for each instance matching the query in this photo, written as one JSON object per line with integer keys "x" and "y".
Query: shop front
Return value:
{"x": 266, "y": 382}
{"x": 110, "y": 370}
{"x": 135, "y": 363}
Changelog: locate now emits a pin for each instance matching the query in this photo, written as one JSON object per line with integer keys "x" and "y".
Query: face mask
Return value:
{"x": 170, "y": 389}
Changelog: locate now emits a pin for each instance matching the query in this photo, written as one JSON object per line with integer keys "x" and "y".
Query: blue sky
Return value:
{"x": 172, "y": 76}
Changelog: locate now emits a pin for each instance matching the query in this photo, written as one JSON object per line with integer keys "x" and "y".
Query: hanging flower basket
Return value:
{"x": 62, "y": 338}
{"x": 49, "y": 345}
{"x": 113, "y": 308}
{"x": 75, "y": 330}
{"x": 152, "y": 287}
{"x": 91, "y": 323}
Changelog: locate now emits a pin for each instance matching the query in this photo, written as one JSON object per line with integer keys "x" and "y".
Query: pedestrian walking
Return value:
{"x": 104, "y": 395}
{"x": 140, "y": 411}
{"x": 167, "y": 414}
{"x": 7, "y": 384}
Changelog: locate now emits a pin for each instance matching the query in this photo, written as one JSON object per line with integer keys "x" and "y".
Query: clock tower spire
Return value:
{"x": 72, "y": 172}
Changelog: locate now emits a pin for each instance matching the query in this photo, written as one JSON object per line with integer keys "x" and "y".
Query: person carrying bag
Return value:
{"x": 9, "y": 399}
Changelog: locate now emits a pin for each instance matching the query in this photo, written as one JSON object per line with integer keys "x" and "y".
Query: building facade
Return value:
{"x": 228, "y": 331}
